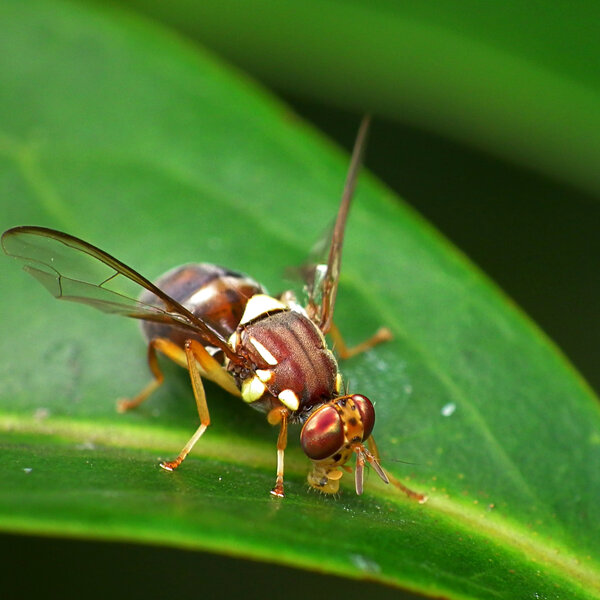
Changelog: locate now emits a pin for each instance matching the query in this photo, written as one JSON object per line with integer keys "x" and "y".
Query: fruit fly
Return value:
{"x": 223, "y": 326}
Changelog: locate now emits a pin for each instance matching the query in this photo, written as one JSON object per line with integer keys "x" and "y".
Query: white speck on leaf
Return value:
{"x": 86, "y": 446}
{"x": 448, "y": 409}
{"x": 364, "y": 564}
{"x": 41, "y": 413}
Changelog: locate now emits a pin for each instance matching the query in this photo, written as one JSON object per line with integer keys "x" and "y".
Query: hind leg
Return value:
{"x": 170, "y": 350}
{"x": 381, "y": 335}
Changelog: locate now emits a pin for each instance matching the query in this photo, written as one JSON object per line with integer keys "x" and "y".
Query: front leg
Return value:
{"x": 279, "y": 415}
{"x": 375, "y": 461}
{"x": 170, "y": 350}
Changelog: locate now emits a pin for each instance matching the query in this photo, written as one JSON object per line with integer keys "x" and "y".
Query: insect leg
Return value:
{"x": 194, "y": 351}
{"x": 169, "y": 349}
{"x": 374, "y": 460}
{"x": 360, "y": 463}
{"x": 275, "y": 416}
{"x": 381, "y": 335}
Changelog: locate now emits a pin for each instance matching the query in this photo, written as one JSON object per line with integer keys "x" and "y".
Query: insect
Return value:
{"x": 223, "y": 326}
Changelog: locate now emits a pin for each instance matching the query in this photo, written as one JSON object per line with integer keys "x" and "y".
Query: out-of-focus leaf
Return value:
{"x": 521, "y": 81}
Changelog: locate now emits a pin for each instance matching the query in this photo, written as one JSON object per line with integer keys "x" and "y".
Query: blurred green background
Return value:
{"x": 497, "y": 147}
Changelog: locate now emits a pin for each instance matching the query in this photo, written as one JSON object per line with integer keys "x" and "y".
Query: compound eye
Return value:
{"x": 367, "y": 414}
{"x": 322, "y": 434}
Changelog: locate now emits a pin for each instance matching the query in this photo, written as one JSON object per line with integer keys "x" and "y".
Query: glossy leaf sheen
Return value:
{"x": 130, "y": 138}
{"x": 516, "y": 81}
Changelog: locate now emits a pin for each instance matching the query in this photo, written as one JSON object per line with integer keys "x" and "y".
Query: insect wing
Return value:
{"x": 312, "y": 272}
{"x": 322, "y": 279}
{"x": 71, "y": 269}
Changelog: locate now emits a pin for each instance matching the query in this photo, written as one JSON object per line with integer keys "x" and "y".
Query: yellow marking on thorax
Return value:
{"x": 265, "y": 354}
{"x": 258, "y": 305}
{"x": 265, "y": 375}
{"x": 252, "y": 389}
{"x": 289, "y": 399}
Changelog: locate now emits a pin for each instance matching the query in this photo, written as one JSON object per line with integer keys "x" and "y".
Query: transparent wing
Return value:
{"x": 312, "y": 271}
{"x": 71, "y": 269}
{"x": 322, "y": 272}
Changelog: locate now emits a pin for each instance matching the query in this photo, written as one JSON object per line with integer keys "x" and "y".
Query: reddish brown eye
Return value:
{"x": 322, "y": 434}
{"x": 367, "y": 414}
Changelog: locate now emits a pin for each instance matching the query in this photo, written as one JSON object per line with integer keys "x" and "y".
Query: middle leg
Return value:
{"x": 196, "y": 355}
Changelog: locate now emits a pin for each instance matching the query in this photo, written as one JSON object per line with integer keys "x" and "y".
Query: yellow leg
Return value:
{"x": 279, "y": 415}
{"x": 358, "y": 476}
{"x": 194, "y": 351}
{"x": 381, "y": 335}
{"x": 170, "y": 350}
{"x": 376, "y": 463}
{"x": 199, "y": 363}
{"x": 209, "y": 368}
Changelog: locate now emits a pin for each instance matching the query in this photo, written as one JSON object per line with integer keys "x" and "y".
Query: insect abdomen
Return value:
{"x": 216, "y": 295}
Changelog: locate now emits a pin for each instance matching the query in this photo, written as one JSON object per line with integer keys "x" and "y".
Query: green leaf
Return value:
{"x": 123, "y": 134}
{"x": 507, "y": 77}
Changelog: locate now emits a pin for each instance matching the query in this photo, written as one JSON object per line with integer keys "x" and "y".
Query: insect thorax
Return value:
{"x": 287, "y": 357}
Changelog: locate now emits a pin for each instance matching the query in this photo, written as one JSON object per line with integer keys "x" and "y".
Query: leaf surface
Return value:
{"x": 123, "y": 134}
